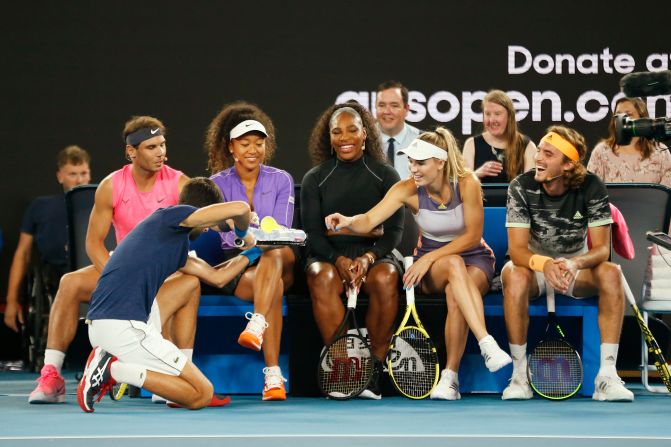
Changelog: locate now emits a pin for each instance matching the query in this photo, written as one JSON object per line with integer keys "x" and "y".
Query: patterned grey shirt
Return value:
{"x": 558, "y": 225}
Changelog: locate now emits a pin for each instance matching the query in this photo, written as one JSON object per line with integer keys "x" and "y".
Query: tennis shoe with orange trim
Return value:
{"x": 50, "y": 387}
{"x": 519, "y": 388}
{"x": 611, "y": 389}
{"x": 447, "y": 387}
{"x": 273, "y": 388}
{"x": 97, "y": 379}
{"x": 252, "y": 336}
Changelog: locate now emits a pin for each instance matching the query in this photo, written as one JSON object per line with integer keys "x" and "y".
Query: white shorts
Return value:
{"x": 139, "y": 343}
{"x": 542, "y": 287}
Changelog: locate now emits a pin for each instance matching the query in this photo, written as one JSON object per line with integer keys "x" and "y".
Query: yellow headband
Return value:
{"x": 562, "y": 145}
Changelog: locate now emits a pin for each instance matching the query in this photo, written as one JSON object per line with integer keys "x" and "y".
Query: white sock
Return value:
{"x": 487, "y": 339}
{"x": 608, "y": 359}
{"x": 519, "y": 355}
{"x": 272, "y": 371}
{"x": 188, "y": 353}
{"x": 452, "y": 376}
{"x": 54, "y": 358}
{"x": 129, "y": 373}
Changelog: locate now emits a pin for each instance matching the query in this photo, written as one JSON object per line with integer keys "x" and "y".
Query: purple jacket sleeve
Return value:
{"x": 283, "y": 212}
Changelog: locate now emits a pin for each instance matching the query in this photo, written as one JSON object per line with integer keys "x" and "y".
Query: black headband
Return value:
{"x": 142, "y": 134}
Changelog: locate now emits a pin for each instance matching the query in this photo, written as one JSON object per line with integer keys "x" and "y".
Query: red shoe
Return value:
{"x": 97, "y": 379}
{"x": 252, "y": 336}
{"x": 217, "y": 401}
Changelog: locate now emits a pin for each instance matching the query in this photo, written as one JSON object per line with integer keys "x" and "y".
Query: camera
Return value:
{"x": 644, "y": 84}
{"x": 651, "y": 128}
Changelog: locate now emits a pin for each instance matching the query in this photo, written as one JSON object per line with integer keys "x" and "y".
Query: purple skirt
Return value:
{"x": 481, "y": 256}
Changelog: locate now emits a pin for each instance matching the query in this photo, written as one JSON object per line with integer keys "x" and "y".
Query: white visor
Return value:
{"x": 421, "y": 150}
{"x": 246, "y": 127}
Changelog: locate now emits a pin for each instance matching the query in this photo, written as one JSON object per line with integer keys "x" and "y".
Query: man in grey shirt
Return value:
{"x": 391, "y": 109}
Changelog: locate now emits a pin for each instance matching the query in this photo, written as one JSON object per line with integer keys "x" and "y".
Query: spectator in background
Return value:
{"x": 501, "y": 152}
{"x": 391, "y": 109}
{"x": 641, "y": 160}
{"x": 240, "y": 139}
{"x": 45, "y": 223}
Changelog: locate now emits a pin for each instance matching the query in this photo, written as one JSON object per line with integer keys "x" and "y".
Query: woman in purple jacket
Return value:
{"x": 240, "y": 139}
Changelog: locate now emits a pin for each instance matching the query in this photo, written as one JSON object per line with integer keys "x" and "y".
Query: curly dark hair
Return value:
{"x": 217, "y": 135}
{"x": 320, "y": 138}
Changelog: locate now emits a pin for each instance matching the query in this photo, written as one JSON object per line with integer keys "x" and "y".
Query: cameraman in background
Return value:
{"x": 640, "y": 160}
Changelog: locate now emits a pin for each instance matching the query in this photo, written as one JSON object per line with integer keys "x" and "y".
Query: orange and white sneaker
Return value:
{"x": 252, "y": 336}
{"x": 274, "y": 384}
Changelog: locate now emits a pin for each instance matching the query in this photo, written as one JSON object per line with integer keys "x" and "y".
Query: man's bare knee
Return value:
{"x": 75, "y": 287}
{"x": 516, "y": 282}
{"x": 609, "y": 277}
{"x": 203, "y": 397}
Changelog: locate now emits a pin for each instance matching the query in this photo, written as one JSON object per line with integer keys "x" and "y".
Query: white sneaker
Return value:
{"x": 447, "y": 387}
{"x": 611, "y": 389}
{"x": 518, "y": 389}
{"x": 495, "y": 357}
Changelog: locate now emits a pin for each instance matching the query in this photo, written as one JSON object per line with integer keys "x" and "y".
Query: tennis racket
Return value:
{"x": 346, "y": 364}
{"x": 117, "y": 391}
{"x": 554, "y": 368}
{"x": 653, "y": 347}
{"x": 412, "y": 360}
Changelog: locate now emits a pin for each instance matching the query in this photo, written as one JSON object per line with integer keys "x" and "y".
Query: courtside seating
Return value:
{"x": 646, "y": 207}
{"x": 78, "y": 203}
{"x": 236, "y": 370}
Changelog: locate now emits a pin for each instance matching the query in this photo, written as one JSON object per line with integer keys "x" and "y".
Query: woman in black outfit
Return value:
{"x": 501, "y": 152}
{"x": 350, "y": 176}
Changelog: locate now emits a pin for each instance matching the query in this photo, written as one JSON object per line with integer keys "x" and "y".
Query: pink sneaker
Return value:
{"x": 50, "y": 387}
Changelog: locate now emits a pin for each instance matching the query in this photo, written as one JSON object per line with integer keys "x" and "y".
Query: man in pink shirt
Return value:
{"x": 122, "y": 199}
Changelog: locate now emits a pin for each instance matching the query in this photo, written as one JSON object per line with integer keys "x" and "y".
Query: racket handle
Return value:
{"x": 550, "y": 297}
{"x": 352, "y": 293}
{"x": 238, "y": 242}
{"x": 627, "y": 290}
{"x": 410, "y": 293}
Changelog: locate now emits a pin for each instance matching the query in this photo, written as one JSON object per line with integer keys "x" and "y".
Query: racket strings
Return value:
{"x": 413, "y": 363}
{"x": 555, "y": 369}
{"x": 346, "y": 367}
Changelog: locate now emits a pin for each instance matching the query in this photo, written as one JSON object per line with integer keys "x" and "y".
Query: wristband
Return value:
{"x": 252, "y": 254}
{"x": 537, "y": 262}
{"x": 239, "y": 233}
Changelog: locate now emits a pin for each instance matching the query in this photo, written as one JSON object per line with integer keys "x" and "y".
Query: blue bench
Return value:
{"x": 230, "y": 367}
{"x": 474, "y": 377}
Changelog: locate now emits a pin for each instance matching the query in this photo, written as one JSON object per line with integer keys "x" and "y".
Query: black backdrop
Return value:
{"x": 73, "y": 72}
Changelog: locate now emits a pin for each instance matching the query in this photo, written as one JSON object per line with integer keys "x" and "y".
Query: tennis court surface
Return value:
{"x": 476, "y": 420}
